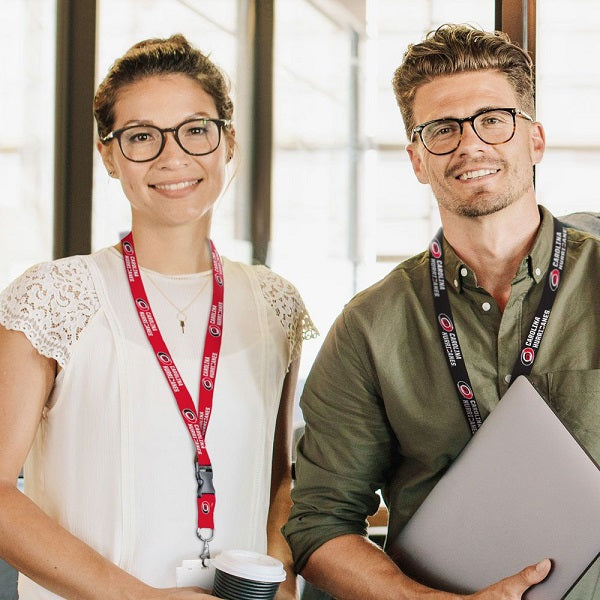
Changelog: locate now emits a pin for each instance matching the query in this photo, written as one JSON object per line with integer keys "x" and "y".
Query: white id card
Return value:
{"x": 193, "y": 573}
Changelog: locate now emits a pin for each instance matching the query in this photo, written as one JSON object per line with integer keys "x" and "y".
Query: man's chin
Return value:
{"x": 476, "y": 207}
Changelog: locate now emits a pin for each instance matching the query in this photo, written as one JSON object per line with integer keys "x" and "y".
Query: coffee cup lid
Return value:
{"x": 250, "y": 565}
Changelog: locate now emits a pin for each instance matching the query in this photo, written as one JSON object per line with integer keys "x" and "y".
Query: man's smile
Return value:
{"x": 476, "y": 174}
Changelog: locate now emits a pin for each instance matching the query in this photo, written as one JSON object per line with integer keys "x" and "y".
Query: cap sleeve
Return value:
{"x": 285, "y": 300}
{"x": 51, "y": 303}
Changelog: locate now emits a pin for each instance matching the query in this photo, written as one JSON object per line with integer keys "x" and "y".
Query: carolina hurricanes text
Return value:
{"x": 209, "y": 365}
{"x": 131, "y": 267}
{"x": 560, "y": 249}
{"x": 148, "y": 323}
{"x": 196, "y": 434}
{"x": 534, "y": 337}
{"x": 437, "y": 276}
{"x": 452, "y": 347}
{"x": 173, "y": 377}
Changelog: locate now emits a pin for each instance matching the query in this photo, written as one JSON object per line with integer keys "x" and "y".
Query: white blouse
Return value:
{"x": 112, "y": 461}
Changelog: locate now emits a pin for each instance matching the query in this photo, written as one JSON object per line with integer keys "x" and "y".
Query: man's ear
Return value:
{"x": 538, "y": 142}
{"x": 416, "y": 160}
{"x": 105, "y": 153}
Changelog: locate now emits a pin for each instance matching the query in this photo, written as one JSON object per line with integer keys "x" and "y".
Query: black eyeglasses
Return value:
{"x": 141, "y": 143}
{"x": 493, "y": 126}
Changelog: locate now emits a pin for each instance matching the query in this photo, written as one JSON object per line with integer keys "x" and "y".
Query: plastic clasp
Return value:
{"x": 204, "y": 477}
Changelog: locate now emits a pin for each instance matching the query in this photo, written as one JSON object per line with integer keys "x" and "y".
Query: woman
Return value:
{"x": 101, "y": 358}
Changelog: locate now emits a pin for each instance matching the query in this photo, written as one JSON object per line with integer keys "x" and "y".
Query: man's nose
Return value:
{"x": 469, "y": 138}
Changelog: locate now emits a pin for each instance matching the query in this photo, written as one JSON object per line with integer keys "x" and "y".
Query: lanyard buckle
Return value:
{"x": 204, "y": 478}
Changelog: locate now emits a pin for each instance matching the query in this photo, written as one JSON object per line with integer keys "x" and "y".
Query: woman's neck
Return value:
{"x": 173, "y": 250}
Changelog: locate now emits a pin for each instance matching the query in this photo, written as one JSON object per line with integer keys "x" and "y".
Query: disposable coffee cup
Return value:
{"x": 245, "y": 575}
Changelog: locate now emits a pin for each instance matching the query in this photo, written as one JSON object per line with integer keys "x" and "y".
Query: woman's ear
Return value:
{"x": 231, "y": 145}
{"x": 107, "y": 159}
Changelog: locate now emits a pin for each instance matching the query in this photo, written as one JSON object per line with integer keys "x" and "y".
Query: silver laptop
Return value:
{"x": 522, "y": 490}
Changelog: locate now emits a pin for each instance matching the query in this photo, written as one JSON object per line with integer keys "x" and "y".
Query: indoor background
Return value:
{"x": 323, "y": 190}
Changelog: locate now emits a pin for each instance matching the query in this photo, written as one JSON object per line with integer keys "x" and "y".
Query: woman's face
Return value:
{"x": 175, "y": 188}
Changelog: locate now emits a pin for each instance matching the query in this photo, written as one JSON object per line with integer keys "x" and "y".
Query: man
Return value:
{"x": 380, "y": 404}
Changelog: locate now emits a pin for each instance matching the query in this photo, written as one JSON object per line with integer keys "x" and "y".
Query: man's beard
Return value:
{"x": 481, "y": 203}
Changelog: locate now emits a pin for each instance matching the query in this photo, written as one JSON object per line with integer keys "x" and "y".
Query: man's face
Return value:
{"x": 476, "y": 179}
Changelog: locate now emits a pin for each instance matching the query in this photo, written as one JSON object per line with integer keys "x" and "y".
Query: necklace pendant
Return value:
{"x": 182, "y": 317}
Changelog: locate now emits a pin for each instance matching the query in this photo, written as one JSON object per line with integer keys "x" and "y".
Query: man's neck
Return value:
{"x": 494, "y": 245}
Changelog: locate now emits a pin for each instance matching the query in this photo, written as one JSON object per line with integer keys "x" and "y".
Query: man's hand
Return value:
{"x": 332, "y": 568}
{"x": 513, "y": 588}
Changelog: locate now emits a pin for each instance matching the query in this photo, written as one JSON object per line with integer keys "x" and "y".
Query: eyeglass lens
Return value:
{"x": 492, "y": 127}
{"x": 145, "y": 142}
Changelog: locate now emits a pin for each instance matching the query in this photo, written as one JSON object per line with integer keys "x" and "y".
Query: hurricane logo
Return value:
{"x": 527, "y": 356}
{"x": 207, "y": 383}
{"x": 142, "y": 304}
{"x": 435, "y": 249}
{"x": 219, "y": 279}
{"x": 445, "y": 322}
{"x": 128, "y": 248}
{"x": 465, "y": 390}
{"x": 189, "y": 415}
{"x": 214, "y": 331}
{"x": 205, "y": 507}
{"x": 554, "y": 279}
{"x": 164, "y": 358}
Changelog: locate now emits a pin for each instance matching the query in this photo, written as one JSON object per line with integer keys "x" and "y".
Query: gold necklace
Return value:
{"x": 181, "y": 314}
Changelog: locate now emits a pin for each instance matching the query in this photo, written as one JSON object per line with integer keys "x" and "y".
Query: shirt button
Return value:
{"x": 538, "y": 271}
{"x": 464, "y": 272}
{"x": 507, "y": 378}
{"x": 486, "y": 306}
{"x": 455, "y": 283}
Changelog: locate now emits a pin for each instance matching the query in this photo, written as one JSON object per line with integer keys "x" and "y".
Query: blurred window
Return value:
{"x": 27, "y": 139}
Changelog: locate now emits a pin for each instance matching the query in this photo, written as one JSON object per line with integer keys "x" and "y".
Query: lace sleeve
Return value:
{"x": 285, "y": 300}
{"x": 51, "y": 303}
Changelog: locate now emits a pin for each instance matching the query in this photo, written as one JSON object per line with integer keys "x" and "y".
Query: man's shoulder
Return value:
{"x": 409, "y": 279}
{"x": 586, "y": 222}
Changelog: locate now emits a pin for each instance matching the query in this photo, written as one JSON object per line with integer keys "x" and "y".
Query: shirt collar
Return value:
{"x": 534, "y": 264}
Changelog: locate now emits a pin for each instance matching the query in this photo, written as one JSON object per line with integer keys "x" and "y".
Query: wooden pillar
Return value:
{"x": 262, "y": 131}
{"x": 74, "y": 126}
{"x": 517, "y": 18}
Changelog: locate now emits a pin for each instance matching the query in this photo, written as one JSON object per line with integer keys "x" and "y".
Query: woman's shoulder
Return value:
{"x": 284, "y": 299}
{"x": 49, "y": 278}
{"x": 51, "y": 303}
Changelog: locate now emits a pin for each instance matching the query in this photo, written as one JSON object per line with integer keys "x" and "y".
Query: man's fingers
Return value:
{"x": 519, "y": 583}
{"x": 514, "y": 587}
{"x": 536, "y": 573}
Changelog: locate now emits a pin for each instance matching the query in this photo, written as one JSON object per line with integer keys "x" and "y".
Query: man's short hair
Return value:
{"x": 454, "y": 49}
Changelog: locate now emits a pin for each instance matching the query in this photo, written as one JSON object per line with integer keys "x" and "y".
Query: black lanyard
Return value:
{"x": 447, "y": 327}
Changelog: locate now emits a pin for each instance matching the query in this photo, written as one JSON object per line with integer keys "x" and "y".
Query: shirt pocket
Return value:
{"x": 575, "y": 396}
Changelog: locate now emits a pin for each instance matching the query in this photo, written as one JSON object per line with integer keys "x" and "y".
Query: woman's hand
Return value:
{"x": 285, "y": 594}
{"x": 184, "y": 593}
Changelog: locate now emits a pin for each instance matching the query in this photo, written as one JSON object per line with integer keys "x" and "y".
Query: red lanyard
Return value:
{"x": 196, "y": 421}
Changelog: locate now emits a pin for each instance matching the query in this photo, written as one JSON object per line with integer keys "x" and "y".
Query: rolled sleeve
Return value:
{"x": 347, "y": 446}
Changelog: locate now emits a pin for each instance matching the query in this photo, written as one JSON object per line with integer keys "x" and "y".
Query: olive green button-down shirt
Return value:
{"x": 380, "y": 405}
